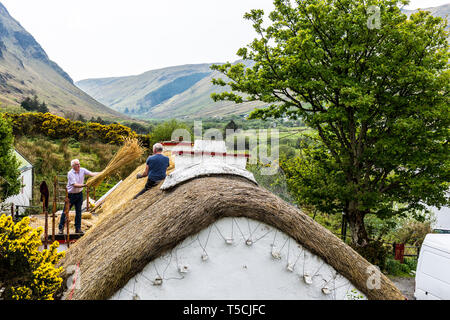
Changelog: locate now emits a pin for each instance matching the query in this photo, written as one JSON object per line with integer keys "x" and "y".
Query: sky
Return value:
{"x": 111, "y": 38}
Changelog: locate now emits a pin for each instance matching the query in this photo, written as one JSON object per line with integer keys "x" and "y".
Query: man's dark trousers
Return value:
{"x": 150, "y": 184}
{"x": 75, "y": 199}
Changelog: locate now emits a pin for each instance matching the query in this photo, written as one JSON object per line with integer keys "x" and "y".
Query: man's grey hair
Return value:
{"x": 74, "y": 161}
{"x": 158, "y": 147}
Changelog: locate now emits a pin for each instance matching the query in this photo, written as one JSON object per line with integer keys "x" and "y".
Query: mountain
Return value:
{"x": 142, "y": 92}
{"x": 26, "y": 70}
{"x": 196, "y": 102}
{"x": 176, "y": 92}
{"x": 440, "y": 11}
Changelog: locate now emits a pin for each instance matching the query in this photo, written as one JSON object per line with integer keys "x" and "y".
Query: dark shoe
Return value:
{"x": 79, "y": 231}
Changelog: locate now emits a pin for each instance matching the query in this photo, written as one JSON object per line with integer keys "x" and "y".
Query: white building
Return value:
{"x": 209, "y": 232}
{"x": 25, "y": 195}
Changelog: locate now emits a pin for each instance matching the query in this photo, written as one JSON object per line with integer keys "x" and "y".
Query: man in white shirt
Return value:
{"x": 75, "y": 184}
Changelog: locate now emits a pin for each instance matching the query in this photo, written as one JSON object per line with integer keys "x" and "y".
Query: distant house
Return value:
{"x": 23, "y": 198}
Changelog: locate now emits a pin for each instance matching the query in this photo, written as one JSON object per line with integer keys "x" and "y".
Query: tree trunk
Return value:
{"x": 355, "y": 220}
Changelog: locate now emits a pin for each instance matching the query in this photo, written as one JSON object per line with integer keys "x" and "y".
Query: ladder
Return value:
{"x": 61, "y": 198}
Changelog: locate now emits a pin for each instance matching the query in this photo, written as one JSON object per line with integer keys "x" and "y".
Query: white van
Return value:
{"x": 442, "y": 220}
{"x": 433, "y": 268}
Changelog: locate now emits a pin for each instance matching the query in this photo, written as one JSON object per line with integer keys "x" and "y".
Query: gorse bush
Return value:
{"x": 56, "y": 127}
{"x": 25, "y": 272}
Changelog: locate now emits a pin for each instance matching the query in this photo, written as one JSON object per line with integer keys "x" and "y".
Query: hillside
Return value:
{"x": 26, "y": 70}
{"x": 176, "y": 92}
{"x": 140, "y": 93}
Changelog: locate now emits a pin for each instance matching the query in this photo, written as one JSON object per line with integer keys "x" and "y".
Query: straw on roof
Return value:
{"x": 123, "y": 243}
{"x": 37, "y": 221}
{"x": 126, "y": 191}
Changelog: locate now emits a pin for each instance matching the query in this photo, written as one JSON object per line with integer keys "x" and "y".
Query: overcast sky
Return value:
{"x": 106, "y": 38}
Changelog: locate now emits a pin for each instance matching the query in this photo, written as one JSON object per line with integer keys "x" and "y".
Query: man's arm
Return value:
{"x": 143, "y": 175}
{"x": 89, "y": 173}
{"x": 76, "y": 185}
{"x": 71, "y": 181}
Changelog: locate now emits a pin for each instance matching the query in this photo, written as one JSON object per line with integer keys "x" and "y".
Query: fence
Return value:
{"x": 17, "y": 212}
{"x": 399, "y": 250}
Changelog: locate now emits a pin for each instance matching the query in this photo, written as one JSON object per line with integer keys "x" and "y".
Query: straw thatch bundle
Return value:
{"x": 130, "y": 151}
{"x": 126, "y": 191}
{"x": 123, "y": 243}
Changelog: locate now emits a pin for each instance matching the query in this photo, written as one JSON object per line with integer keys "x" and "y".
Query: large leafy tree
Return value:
{"x": 376, "y": 94}
{"x": 9, "y": 166}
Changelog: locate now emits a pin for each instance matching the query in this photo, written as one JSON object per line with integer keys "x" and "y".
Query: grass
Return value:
{"x": 396, "y": 268}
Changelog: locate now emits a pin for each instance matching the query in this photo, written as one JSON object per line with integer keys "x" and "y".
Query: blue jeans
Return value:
{"x": 75, "y": 199}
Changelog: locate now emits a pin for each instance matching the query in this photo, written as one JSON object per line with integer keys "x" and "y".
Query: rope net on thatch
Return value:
{"x": 130, "y": 151}
{"x": 126, "y": 240}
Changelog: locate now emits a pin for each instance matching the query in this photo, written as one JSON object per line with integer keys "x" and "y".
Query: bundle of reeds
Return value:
{"x": 130, "y": 151}
{"x": 126, "y": 191}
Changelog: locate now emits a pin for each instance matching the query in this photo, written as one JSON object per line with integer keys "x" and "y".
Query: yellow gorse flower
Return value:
{"x": 19, "y": 250}
{"x": 57, "y": 127}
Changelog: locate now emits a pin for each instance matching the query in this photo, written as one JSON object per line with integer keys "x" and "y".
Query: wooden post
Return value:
{"x": 344, "y": 228}
{"x": 66, "y": 212}
{"x": 55, "y": 186}
{"x": 46, "y": 225}
{"x": 87, "y": 199}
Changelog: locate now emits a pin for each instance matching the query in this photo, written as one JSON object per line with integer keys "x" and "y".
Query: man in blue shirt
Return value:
{"x": 75, "y": 184}
{"x": 156, "y": 168}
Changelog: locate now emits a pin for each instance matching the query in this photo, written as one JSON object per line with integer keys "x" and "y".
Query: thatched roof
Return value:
{"x": 125, "y": 241}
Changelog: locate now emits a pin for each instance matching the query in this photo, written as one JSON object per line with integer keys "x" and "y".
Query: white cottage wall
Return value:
{"x": 238, "y": 258}
{"x": 23, "y": 198}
